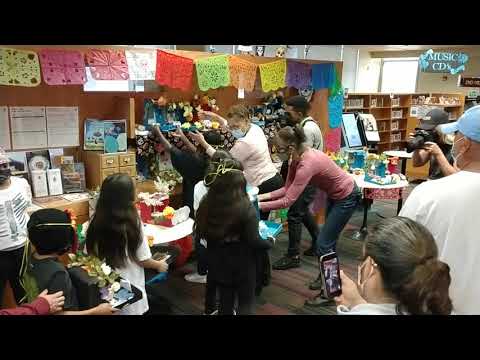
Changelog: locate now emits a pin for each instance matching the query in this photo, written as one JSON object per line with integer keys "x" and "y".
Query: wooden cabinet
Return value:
{"x": 98, "y": 166}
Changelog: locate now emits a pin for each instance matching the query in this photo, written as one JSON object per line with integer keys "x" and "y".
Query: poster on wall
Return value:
{"x": 29, "y": 127}
{"x": 62, "y": 126}
{"x": 93, "y": 135}
{"x": 115, "y": 139}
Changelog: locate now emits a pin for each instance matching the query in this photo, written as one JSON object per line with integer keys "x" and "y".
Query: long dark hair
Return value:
{"x": 114, "y": 233}
{"x": 222, "y": 212}
{"x": 407, "y": 258}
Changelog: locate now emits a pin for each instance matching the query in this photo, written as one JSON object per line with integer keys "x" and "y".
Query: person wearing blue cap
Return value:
{"x": 448, "y": 207}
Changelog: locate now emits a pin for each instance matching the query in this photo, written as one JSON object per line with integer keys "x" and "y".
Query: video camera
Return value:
{"x": 420, "y": 138}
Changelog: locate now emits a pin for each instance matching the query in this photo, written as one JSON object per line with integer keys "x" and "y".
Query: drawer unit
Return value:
{"x": 98, "y": 166}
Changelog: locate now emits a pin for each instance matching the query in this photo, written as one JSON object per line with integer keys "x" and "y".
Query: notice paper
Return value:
{"x": 4, "y": 128}
{"x": 29, "y": 127}
{"x": 62, "y": 126}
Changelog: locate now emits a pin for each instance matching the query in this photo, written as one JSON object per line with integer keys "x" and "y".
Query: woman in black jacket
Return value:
{"x": 227, "y": 220}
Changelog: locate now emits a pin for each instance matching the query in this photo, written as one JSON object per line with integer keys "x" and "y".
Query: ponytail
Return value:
{"x": 426, "y": 291}
{"x": 292, "y": 135}
{"x": 407, "y": 258}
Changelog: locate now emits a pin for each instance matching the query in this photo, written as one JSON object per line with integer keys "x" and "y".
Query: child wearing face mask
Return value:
{"x": 15, "y": 198}
{"x": 400, "y": 274}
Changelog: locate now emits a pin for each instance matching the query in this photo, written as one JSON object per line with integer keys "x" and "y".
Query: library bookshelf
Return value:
{"x": 396, "y": 119}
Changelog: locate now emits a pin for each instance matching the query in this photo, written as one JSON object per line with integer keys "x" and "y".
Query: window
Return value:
{"x": 399, "y": 75}
{"x": 111, "y": 85}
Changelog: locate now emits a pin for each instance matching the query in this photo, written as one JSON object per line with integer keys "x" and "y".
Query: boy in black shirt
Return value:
{"x": 51, "y": 233}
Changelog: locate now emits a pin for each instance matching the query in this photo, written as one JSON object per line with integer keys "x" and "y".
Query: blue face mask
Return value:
{"x": 237, "y": 133}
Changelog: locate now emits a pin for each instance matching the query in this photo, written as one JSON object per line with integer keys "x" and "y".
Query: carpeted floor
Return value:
{"x": 289, "y": 289}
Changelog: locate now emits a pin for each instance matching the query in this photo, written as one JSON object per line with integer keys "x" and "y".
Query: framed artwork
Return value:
{"x": 38, "y": 160}
{"x": 18, "y": 162}
{"x": 115, "y": 139}
{"x": 93, "y": 135}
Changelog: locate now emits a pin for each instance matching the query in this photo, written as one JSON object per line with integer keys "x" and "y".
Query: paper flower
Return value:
{"x": 107, "y": 270}
{"x": 168, "y": 212}
{"x": 115, "y": 286}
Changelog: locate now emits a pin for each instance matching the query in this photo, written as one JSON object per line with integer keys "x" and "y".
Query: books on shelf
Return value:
{"x": 354, "y": 103}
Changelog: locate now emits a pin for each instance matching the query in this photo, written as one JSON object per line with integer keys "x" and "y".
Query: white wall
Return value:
{"x": 368, "y": 73}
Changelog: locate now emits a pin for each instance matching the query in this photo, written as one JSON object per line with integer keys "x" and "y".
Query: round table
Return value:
{"x": 404, "y": 156}
{"x": 384, "y": 192}
{"x": 163, "y": 235}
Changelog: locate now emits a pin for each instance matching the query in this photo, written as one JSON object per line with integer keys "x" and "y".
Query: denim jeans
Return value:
{"x": 338, "y": 214}
{"x": 298, "y": 214}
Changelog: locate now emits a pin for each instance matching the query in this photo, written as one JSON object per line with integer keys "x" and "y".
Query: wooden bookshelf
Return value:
{"x": 394, "y": 121}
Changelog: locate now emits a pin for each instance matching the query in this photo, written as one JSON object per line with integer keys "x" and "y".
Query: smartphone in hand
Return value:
{"x": 330, "y": 272}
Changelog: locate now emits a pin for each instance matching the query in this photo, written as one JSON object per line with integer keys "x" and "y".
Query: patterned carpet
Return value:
{"x": 289, "y": 289}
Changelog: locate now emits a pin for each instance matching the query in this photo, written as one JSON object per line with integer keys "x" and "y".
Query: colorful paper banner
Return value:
{"x": 174, "y": 71}
{"x": 323, "y": 76}
{"x": 333, "y": 140}
{"x": 107, "y": 64}
{"x": 62, "y": 67}
{"x": 141, "y": 64}
{"x": 19, "y": 68}
{"x": 299, "y": 75}
{"x": 273, "y": 75}
{"x": 212, "y": 72}
{"x": 243, "y": 73}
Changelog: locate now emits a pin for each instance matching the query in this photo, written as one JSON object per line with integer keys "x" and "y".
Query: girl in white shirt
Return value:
{"x": 400, "y": 274}
{"x": 115, "y": 234}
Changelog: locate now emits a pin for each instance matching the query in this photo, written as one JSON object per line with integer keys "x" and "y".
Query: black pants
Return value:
{"x": 201, "y": 254}
{"x": 242, "y": 293}
{"x": 297, "y": 215}
{"x": 10, "y": 264}
{"x": 267, "y": 186}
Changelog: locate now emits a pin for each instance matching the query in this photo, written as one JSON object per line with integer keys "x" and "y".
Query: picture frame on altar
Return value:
{"x": 115, "y": 136}
{"x": 18, "y": 162}
{"x": 94, "y": 133}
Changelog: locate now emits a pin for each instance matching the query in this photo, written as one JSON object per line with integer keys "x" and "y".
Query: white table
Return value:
{"x": 362, "y": 184}
{"x": 163, "y": 235}
{"x": 404, "y": 156}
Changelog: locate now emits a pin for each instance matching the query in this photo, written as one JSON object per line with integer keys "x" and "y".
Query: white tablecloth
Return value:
{"x": 162, "y": 235}
{"x": 368, "y": 185}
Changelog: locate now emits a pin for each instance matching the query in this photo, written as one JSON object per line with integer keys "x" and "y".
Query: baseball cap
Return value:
{"x": 468, "y": 124}
{"x": 3, "y": 156}
{"x": 433, "y": 118}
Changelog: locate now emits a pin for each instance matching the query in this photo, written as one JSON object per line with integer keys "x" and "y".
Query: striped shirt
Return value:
{"x": 14, "y": 202}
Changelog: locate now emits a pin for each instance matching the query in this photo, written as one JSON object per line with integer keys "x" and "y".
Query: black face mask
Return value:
{"x": 5, "y": 175}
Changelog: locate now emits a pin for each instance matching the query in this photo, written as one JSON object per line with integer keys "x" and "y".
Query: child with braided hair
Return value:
{"x": 228, "y": 222}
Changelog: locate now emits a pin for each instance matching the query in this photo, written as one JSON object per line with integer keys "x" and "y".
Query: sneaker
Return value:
{"x": 309, "y": 252}
{"x": 196, "y": 278}
{"x": 286, "y": 262}
{"x": 319, "y": 300}
{"x": 316, "y": 284}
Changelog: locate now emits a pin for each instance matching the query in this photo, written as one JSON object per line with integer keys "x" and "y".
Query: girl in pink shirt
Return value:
{"x": 309, "y": 166}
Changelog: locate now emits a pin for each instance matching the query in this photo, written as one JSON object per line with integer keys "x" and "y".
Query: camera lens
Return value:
{"x": 416, "y": 143}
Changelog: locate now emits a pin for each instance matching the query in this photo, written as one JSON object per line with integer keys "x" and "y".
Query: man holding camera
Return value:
{"x": 449, "y": 208}
{"x": 428, "y": 144}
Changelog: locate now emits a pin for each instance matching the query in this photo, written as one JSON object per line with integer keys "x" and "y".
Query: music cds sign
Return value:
{"x": 443, "y": 62}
